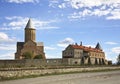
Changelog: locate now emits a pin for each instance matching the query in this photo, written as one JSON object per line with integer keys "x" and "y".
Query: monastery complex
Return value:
{"x": 76, "y": 54}
{"x": 31, "y": 53}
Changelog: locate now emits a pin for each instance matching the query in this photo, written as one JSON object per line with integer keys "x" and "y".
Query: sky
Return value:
{"x": 59, "y": 23}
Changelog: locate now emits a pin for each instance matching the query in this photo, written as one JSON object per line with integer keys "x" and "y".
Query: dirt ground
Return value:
{"x": 111, "y": 77}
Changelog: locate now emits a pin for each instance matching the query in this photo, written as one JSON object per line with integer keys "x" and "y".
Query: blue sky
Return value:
{"x": 59, "y": 23}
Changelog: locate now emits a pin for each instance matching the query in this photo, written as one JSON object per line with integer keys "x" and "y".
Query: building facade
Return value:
{"x": 29, "y": 45}
{"x": 84, "y": 55}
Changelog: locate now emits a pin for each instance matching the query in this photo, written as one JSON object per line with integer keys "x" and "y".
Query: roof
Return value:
{"x": 98, "y": 46}
{"x": 20, "y": 44}
{"x": 85, "y": 48}
{"x": 29, "y": 24}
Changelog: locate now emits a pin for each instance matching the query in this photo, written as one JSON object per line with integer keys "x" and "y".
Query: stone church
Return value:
{"x": 30, "y": 45}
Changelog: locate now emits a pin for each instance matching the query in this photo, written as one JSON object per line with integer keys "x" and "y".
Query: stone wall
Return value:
{"x": 22, "y": 73}
{"x": 12, "y": 63}
{"x": 44, "y": 62}
{"x": 74, "y": 61}
{"x": 30, "y": 62}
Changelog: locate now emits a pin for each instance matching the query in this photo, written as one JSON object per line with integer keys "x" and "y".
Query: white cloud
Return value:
{"x": 4, "y": 38}
{"x": 49, "y": 27}
{"x": 98, "y": 12}
{"x": 7, "y": 47}
{"x": 74, "y": 16}
{"x": 22, "y": 1}
{"x": 8, "y": 55}
{"x": 108, "y": 8}
{"x": 115, "y": 14}
{"x": 111, "y": 56}
{"x": 114, "y": 17}
{"x": 65, "y": 42}
{"x": 53, "y": 3}
{"x": 77, "y": 15}
{"x": 15, "y": 23}
{"x": 62, "y": 5}
{"x": 77, "y": 4}
{"x": 89, "y": 12}
{"x": 84, "y": 3}
{"x": 44, "y": 24}
{"x": 18, "y": 22}
{"x": 50, "y": 48}
{"x": 111, "y": 43}
{"x": 116, "y": 49}
{"x": 12, "y": 28}
{"x": 53, "y": 56}
{"x": 14, "y": 17}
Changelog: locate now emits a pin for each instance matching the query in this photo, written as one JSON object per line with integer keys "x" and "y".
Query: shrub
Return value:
{"x": 27, "y": 55}
{"x": 38, "y": 56}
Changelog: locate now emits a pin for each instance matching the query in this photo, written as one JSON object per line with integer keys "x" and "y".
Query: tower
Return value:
{"x": 98, "y": 46}
{"x": 29, "y": 32}
{"x": 30, "y": 45}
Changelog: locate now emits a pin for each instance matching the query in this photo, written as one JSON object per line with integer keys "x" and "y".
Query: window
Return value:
{"x": 47, "y": 61}
{"x": 65, "y": 53}
{"x": 75, "y": 62}
{"x": 55, "y": 61}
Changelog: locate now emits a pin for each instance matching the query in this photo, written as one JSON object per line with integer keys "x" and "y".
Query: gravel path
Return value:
{"x": 111, "y": 77}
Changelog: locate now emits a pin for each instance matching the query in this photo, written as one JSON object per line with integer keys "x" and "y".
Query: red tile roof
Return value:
{"x": 85, "y": 48}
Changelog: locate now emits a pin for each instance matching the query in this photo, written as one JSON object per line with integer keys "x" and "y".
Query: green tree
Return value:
{"x": 27, "y": 55}
{"x": 38, "y": 56}
{"x": 118, "y": 60}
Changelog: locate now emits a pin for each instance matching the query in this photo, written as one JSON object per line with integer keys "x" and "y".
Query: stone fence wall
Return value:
{"x": 45, "y": 62}
{"x": 24, "y": 73}
{"x": 32, "y": 62}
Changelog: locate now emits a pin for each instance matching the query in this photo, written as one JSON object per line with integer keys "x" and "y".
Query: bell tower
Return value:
{"x": 30, "y": 32}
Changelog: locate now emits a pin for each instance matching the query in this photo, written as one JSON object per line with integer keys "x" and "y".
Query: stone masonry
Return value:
{"x": 30, "y": 45}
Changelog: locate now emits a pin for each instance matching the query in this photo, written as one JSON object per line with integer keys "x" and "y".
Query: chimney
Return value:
{"x": 81, "y": 43}
{"x": 76, "y": 44}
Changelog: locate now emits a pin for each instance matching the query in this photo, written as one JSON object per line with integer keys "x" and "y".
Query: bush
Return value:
{"x": 38, "y": 57}
{"x": 27, "y": 55}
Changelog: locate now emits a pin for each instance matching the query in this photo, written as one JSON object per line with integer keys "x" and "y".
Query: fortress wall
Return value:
{"x": 12, "y": 63}
{"x": 34, "y": 62}
{"x": 2, "y": 63}
{"x": 74, "y": 61}
{"x": 43, "y": 62}
{"x": 97, "y": 59}
{"x": 92, "y": 61}
{"x": 30, "y": 62}
{"x": 85, "y": 60}
{"x": 65, "y": 61}
{"x": 54, "y": 61}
